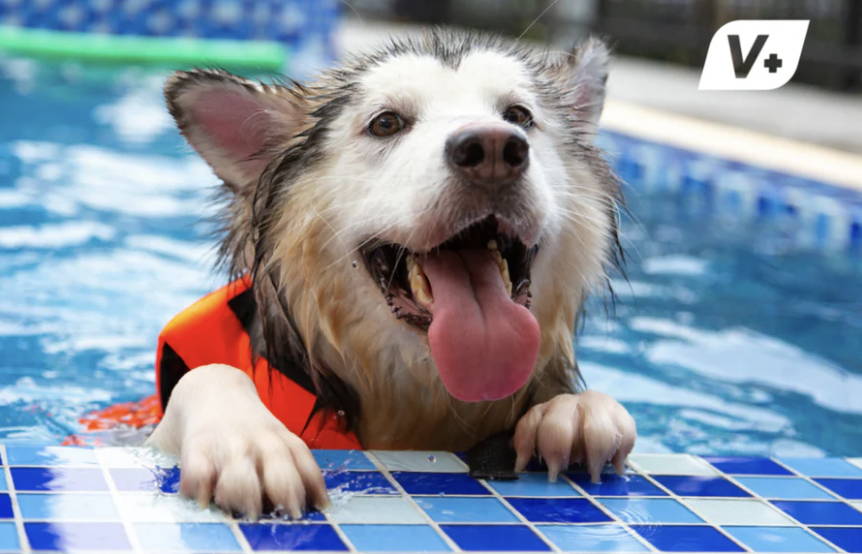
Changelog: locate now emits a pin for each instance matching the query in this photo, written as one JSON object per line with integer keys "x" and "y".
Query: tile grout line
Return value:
{"x": 230, "y": 522}
{"x": 238, "y": 535}
{"x": 518, "y": 515}
{"x": 606, "y": 511}
{"x": 385, "y": 470}
{"x": 679, "y": 499}
{"x": 807, "y": 479}
{"x": 335, "y": 525}
{"x": 797, "y": 523}
{"x": 715, "y": 472}
{"x": 339, "y": 531}
{"x": 796, "y": 473}
{"x": 24, "y": 542}
{"x": 131, "y": 532}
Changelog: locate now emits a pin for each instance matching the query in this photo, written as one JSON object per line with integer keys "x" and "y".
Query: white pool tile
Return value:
{"x": 737, "y": 512}
{"x": 366, "y": 509}
{"x": 116, "y": 456}
{"x": 164, "y": 508}
{"x": 420, "y": 460}
{"x": 672, "y": 464}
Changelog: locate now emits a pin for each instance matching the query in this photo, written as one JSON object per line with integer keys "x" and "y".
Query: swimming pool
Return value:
{"x": 737, "y": 330}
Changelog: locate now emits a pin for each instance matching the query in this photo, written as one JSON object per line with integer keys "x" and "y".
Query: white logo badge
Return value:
{"x": 753, "y": 54}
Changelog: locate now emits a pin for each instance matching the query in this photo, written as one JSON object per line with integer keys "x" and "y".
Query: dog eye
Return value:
{"x": 386, "y": 124}
{"x": 519, "y": 115}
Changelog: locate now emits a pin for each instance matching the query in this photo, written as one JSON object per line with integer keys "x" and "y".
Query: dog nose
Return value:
{"x": 488, "y": 155}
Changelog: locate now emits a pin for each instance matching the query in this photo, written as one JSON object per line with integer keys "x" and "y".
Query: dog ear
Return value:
{"x": 582, "y": 77}
{"x": 236, "y": 125}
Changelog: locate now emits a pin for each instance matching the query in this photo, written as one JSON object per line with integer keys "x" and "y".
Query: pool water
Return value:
{"x": 724, "y": 338}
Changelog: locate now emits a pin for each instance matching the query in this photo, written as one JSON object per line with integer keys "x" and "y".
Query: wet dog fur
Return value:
{"x": 305, "y": 188}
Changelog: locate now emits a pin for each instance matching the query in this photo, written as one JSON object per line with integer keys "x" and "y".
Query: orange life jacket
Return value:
{"x": 212, "y": 330}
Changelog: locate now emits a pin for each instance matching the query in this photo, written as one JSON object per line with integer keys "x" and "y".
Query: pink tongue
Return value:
{"x": 484, "y": 344}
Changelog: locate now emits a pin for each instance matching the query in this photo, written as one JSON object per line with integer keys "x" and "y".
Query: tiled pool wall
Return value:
{"x": 120, "y": 499}
{"x": 810, "y": 213}
{"x": 305, "y": 27}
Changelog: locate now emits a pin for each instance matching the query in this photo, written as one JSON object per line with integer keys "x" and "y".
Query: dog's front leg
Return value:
{"x": 589, "y": 427}
{"x": 233, "y": 449}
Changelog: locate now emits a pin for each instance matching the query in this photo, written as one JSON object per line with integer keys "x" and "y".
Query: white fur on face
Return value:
{"x": 404, "y": 185}
{"x": 401, "y": 189}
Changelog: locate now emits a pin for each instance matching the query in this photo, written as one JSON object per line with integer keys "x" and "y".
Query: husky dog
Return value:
{"x": 421, "y": 227}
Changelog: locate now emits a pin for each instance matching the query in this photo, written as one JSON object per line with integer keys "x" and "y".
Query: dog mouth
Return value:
{"x": 471, "y": 295}
{"x": 399, "y": 272}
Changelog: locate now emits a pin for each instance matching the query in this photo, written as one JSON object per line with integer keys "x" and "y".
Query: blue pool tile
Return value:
{"x": 743, "y": 465}
{"x": 533, "y": 484}
{"x": 76, "y": 536}
{"x": 518, "y": 538}
{"x": 536, "y": 465}
{"x": 823, "y": 467}
{"x": 285, "y": 536}
{"x": 9, "y": 536}
{"x": 313, "y": 515}
{"x": 364, "y": 482}
{"x": 58, "y": 479}
{"x": 190, "y": 537}
{"x": 558, "y": 510}
{"x": 6, "y": 507}
{"x": 778, "y": 539}
{"x": 784, "y": 488}
{"x": 614, "y": 485}
{"x": 436, "y": 483}
{"x": 475, "y": 510}
{"x": 67, "y": 506}
{"x": 848, "y": 488}
{"x": 686, "y": 538}
{"x": 342, "y": 459}
{"x": 820, "y": 513}
{"x": 649, "y": 510}
{"x": 689, "y": 485}
{"x": 591, "y": 538}
{"x": 26, "y": 455}
{"x": 395, "y": 538}
{"x": 847, "y": 538}
{"x": 144, "y": 479}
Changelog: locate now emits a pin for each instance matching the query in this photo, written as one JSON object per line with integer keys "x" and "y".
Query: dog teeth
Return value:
{"x": 418, "y": 282}
{"x": 501, "y": 263}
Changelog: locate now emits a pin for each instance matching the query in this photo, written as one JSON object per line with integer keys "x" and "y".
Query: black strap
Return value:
{"x": 244, "y": 308}
{"x": 171, "y": 369}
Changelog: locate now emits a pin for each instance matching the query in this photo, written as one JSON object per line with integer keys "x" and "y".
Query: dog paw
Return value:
{"x": 589, "y": 428}
{"x": 233, "y": 450}
{"x": 243, "y": 466}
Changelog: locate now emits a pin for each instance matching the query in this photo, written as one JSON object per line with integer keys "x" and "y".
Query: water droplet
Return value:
{"x": 432, "y": 458}
{"x": 341, "y": 413}
{"x": 354, "y": 263}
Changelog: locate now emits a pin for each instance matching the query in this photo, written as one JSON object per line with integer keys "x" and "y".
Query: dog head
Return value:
{"x": 435, "y": 209}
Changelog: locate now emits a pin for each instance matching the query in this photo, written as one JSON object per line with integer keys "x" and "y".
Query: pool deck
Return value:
{"x": 125, "y": 499}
